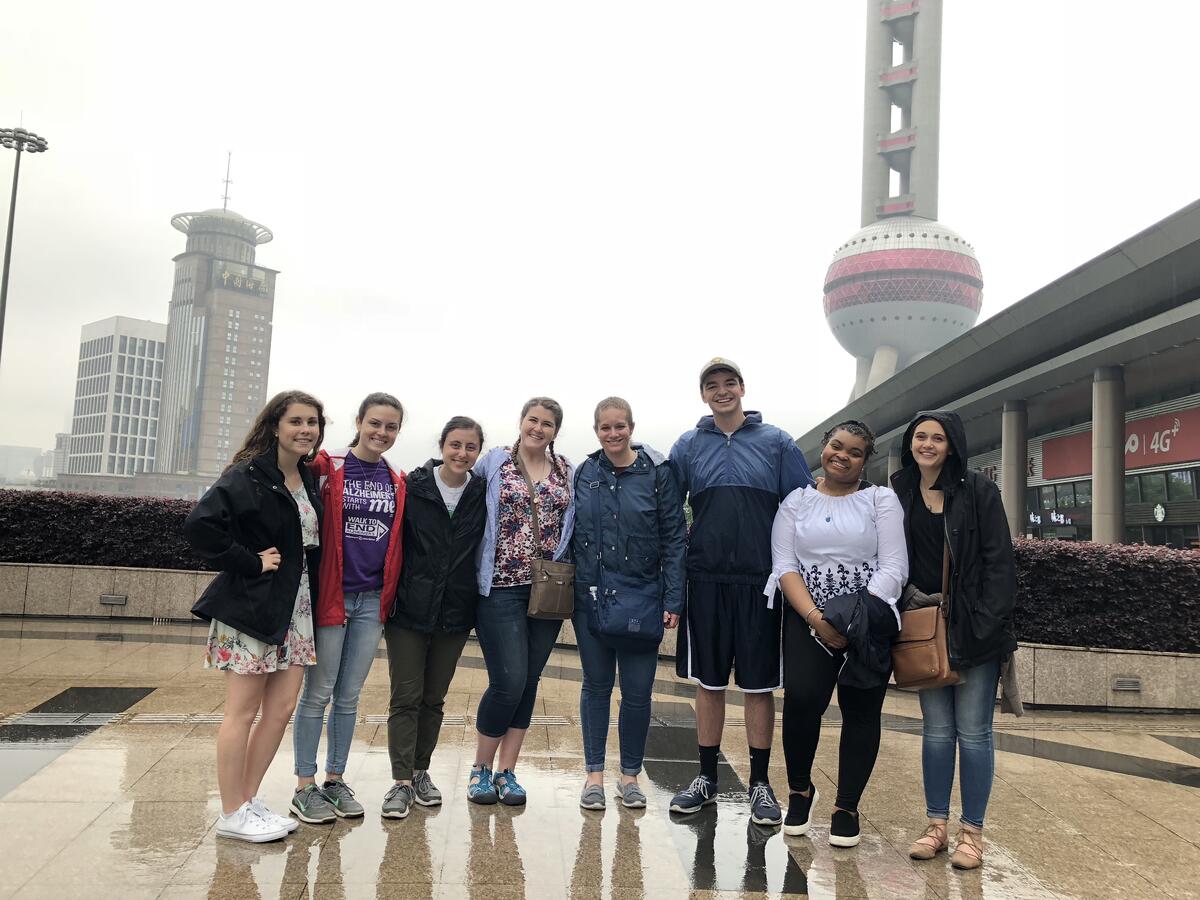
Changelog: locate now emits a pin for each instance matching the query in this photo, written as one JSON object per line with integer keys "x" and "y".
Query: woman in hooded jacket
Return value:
{"x": 949, "y": 510}
{"x": 434, "y": 610}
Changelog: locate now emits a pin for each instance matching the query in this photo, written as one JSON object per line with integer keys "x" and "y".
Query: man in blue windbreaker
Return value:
{"x": 734, "y": 471}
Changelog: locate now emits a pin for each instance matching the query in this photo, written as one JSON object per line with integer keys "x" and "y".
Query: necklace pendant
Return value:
{"x": 828, "y": 518}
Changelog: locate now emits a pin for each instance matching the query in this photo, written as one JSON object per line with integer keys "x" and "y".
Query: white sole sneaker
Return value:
{"x": 838, "y": 841}
{"x": 249, "y": 828}
{"x": 802, "y": 829}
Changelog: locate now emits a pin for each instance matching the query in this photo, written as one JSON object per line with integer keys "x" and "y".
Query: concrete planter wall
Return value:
{"x": 1049, "y": 675}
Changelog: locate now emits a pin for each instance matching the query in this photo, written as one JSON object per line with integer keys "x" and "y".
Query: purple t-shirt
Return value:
{"x": 368, "y": 508}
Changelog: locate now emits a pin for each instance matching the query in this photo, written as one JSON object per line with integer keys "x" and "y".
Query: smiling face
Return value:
{"x": 930, "y": 447}
{"x": 377, "y": 430}
{"x": 614, "y": 430}
{"x": 298, "y": 428}
{"x": 538, "y": 429}
{"x": 723, "y": 392}
{"x": 843, "y": 457}
{"x": 460, "y": 449}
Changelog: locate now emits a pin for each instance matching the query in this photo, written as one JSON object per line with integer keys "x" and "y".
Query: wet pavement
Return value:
{"x": 108, "y": 789}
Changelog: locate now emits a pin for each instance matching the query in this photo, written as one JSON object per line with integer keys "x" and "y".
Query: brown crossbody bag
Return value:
{"x": 921, "y": 653}
{"x": 552, "y": 592}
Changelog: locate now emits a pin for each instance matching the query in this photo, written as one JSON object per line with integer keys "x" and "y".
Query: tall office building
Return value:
{"x": 218, "y": 342}
{"x": 118, "y": 387}
{"x": 905, "y": 284}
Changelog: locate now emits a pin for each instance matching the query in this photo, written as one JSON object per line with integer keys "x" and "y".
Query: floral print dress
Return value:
{"x": 514, "y": 531}
{"x": 240, "y": 653}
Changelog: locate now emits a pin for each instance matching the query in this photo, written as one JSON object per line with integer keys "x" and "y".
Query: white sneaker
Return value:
{"x": 265, "y": 812}
{"x": 244, "y": 824}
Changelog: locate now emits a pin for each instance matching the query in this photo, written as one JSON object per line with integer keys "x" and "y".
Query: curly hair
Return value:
{"x": 856, "y": 428}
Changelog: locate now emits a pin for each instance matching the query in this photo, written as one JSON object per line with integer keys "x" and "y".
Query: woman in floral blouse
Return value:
{"x": 259, "y": 526}
{"x": 516, "y": 647}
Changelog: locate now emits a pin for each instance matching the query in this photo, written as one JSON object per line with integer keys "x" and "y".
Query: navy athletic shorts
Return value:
{"x": 729, "y": 628}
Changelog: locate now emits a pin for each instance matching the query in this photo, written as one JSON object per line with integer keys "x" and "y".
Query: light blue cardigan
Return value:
{"x": 488, "y": 466}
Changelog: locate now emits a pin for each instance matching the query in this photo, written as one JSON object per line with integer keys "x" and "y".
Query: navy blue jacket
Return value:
{"x": 642, "y": 527}
{"x": 735, "y": 485}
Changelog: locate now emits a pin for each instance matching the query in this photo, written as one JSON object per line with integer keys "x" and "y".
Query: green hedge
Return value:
{"x": 1124, "y": 596}
{"x": 90, "y": 530}
{"x": 1076, "y": 594}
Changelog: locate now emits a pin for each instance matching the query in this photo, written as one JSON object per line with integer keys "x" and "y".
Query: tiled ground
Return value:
{"x": 1085, "y": 805}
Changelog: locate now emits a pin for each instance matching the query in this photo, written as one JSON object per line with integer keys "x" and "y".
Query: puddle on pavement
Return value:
{"x": 38, "y": 737}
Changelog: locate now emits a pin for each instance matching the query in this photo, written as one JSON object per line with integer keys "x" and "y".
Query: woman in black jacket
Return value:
{"x": 259, "y": 526}
{"x": 950, "y": 510}
{"x": 434, "y": 609}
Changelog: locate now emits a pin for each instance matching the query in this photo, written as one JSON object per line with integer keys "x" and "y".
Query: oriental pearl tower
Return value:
{"x": 905, "y": 284}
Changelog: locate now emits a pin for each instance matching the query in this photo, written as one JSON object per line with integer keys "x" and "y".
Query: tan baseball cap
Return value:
{"x": 717, "y": 363}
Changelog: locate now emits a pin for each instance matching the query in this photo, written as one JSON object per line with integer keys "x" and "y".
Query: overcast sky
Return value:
{"x": 477, "y": 202}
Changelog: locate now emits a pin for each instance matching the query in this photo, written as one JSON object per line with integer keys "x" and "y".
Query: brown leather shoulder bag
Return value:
{"x": 921, "y": 653}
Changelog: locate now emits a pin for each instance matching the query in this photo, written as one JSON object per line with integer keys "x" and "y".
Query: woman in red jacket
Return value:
{"x": 363, "y": 499}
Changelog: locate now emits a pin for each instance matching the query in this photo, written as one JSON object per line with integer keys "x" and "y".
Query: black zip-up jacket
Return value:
{"x": 438, "y": 590}
{"x": 869, "y": 627}
{"x": 983, "y": 573}
{"x": 247, "y": 511}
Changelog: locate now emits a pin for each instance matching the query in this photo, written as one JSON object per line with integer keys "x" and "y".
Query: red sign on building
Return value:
{"x": 1155, "y": 441}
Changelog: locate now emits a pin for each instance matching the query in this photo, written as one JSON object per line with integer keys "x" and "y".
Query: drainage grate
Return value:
{"x": 59, "y": 719}
{"x": 382, "y": 720}
{"x": 1124, "y": 683}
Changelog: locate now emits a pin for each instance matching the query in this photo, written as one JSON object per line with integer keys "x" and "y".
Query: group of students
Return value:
{"x": 321, "y": 552}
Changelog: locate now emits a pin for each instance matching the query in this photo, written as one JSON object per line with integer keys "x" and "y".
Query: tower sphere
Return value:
{"x": 909, "y": 283}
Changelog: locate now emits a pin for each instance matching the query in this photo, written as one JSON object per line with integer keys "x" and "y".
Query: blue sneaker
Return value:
{"x": 481, "y": 791}
{"x": 764, "y": 808}
{"x": 510, "y": 791}
{"x": 701, "y": 792}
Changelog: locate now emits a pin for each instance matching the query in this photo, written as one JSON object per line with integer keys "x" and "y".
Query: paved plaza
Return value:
{"x": 108, "y": 789}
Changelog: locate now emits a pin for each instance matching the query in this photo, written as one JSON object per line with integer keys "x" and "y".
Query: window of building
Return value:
{"x": 1154, "y": 487}
{"x": 1048, "y": 497}
{"x": 1181, "y": 485}
{"x": 1133, "y": 493}
{"x": 1083, "y": 493}
{"x": 1065, "y": 494}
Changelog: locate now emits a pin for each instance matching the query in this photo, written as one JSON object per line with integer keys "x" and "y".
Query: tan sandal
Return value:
{"x": 931, "y": 843}
{"x": 968, "y": 854}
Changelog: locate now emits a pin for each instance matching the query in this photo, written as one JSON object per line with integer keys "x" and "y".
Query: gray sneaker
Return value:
{"x": 592, "y": 796}
{"x": 397, "y": 802}
{"x": 632, "y": 796}
{"x": 425, "y": 791}
{"x": 309, "y": 804}
{"x": 341, "y": 798}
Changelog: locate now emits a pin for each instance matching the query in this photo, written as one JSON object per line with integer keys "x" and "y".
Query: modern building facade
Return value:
{"x": 905, "y": 284}
{"x": 118, "y": 391}
{"x": 1082, "y": 401}
{"x": 218, "y": 342}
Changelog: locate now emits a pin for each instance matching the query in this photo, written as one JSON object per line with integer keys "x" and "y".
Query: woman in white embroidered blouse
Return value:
{"x": 832, "y": 539}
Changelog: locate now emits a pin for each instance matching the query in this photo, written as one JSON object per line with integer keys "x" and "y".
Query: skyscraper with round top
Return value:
{"x": 218, "y": 342}
{"x": 904, "y": 284}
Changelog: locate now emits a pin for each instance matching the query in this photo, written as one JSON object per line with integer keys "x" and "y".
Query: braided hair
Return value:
{"x": 856, "y": 428}
{"x": 555, "y": 409}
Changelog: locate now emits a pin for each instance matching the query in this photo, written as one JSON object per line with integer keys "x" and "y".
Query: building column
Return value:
{"x": 1108, "y": 455}
{"x": 893, "y": 461}
{"x": 883, "y": 366}
{"x": 1014, "y": 457}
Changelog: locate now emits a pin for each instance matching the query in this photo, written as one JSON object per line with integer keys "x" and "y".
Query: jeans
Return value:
{"x": 962, "y": 713}
{"x": 600, "y": 666}
{"x": 344, "y": 657}
{"x": 515, "y": 650}
{"x": 420, "y": 668}
{"x": 809, "y": 677}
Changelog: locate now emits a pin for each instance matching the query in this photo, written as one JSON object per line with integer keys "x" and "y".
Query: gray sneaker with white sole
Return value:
{"x": 425, "y": 791}
{"x": 397, "y": 802}
{"x": 341, "y": 798}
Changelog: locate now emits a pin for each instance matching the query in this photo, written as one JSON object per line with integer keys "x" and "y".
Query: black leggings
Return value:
{"x": 809, "y": 674}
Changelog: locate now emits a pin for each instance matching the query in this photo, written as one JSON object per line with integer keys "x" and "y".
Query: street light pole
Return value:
{"x": 22, "y": 141}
